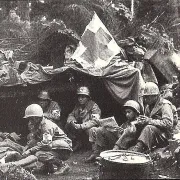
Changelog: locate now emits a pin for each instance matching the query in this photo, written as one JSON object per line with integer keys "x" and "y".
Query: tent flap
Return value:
{"x": 122, "y": 80}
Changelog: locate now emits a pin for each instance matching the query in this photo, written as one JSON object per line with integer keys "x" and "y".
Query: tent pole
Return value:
{"x": 132, "y": 8}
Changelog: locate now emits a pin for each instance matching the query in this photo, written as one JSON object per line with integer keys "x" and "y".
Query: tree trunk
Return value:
{"x": 23, "y": 10}
{"x": 174, "y": 5}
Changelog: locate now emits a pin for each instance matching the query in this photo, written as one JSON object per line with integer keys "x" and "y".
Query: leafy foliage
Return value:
{"x": 152, "y": 25}
{"x": 14, "y": 172}
{"x": 13, "y": 27}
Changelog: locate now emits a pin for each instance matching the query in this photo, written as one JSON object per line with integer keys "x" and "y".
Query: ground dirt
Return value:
{"x": 79, "y": 169}
{"x": 163, "y": 169}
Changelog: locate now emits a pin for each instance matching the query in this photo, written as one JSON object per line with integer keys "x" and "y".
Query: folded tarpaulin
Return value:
{"x": 122, "y": 80}
{"x": 34, "y": 74}
{"x": 9, "y": 75}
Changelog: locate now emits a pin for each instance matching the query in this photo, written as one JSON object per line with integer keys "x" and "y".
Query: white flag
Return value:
{"x": 97, "y": 46}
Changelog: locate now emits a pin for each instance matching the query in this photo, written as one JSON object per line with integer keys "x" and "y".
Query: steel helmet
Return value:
{"x": 83, "y": 90}
{"x": 151, "y": 89}
{"x": 33, "y": 110}
{"x": 44, "y": 95}
{"x": 133, "y": 104}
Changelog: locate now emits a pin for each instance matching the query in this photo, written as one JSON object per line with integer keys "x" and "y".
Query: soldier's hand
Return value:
{"x": 73, "y": 124}
{"x": 15, "y": 137}
{"x": 95, "y": 116}
{"x": 143, "y": 120}
{"x": 131, "y": 129}
{"x": 56, "y": 113}
{"x": 5, "y": 135}
{"x": 26, "y": 153}
{"x": 77, "y": 126}
{"x": 25, "y": 148}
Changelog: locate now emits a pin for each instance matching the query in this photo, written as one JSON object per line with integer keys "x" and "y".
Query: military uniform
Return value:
{"x": 57, "y": 150}
{"x": 87, "y": 117}
{"x": 106, "y": 138}
{"x": 53, "y": 112}
{"x": 159, "y": 128}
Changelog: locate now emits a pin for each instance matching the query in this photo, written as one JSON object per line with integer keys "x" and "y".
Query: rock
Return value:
{"x": 162, "y": 157}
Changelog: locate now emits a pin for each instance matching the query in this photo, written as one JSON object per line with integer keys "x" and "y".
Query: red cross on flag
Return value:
{"x": 97, "y": 46}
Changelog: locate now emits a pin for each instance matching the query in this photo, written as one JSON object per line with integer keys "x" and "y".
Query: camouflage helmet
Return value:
{"x": 83, "y": 90}
{"x": 44, "y": 95}
{"x": 151, "y": 89}
{"x": 133, "y": 104}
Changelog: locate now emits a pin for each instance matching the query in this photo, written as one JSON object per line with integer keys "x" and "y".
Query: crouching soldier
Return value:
{"x": 107, "y": 138}
{"x": 157, "y": 123}
{"x": 50, "y": 144}
{"x": 82, "y": 118}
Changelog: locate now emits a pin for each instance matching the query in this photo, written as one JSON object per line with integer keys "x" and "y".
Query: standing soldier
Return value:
{"x": 82, "y": 118}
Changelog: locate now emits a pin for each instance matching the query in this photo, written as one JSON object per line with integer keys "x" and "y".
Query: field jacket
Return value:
{"x": 162, "y": 115}
{"x": 86, "y": 116}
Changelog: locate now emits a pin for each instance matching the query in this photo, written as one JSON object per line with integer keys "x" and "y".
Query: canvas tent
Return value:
{"x": 123, "y": 81}
{"x": 110, "y": 89}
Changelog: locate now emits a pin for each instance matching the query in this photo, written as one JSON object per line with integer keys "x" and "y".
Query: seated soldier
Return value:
{"x": 50, "y": 144}
{"x": 51, "y": 109}
{"x": 107, "y": 137}
{"x": 82, "y": 118}
{"x": 155, "y": 127}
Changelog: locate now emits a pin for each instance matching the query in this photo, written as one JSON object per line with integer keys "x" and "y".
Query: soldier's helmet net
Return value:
{"x": 151, "y": 89}
{"x": 33, "y": 110}
{"x": 133, "y": 104}
{"x": 83, "y": 90}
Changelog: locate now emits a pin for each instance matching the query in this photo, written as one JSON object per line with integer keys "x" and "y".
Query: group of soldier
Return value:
{"x": 148, "y": 126}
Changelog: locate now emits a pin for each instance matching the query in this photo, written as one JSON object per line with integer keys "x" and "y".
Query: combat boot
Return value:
{"x": 139, "y": 147}
{"x": 96, "y": 151}
{"x": 63, "y": 169}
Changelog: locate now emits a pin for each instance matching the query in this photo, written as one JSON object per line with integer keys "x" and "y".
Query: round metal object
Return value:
{"x": 122, "y": 164}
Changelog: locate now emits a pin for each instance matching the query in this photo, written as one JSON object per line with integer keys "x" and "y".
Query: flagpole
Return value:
{"x": 132, "y": 8}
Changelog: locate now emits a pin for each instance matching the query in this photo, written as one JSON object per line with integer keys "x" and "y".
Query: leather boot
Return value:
{"x": 139, "y": 147}
{"x": 96, "y": 151}
{"x": 63, "y": 169}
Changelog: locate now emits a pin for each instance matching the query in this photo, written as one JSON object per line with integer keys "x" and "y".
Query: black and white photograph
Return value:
{"x": 89, "y": 89}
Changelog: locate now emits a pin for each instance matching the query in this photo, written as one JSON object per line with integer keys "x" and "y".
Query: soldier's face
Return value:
{"x": 33, "y": 122}
{"x": 130, "y": 114}
{"x": 43, "y": 103}
{"x": 68, "y": 52}
{"x": 150, "y": 99}
{"x": 31, "y": 126}
{"x": 83, "y": 99}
